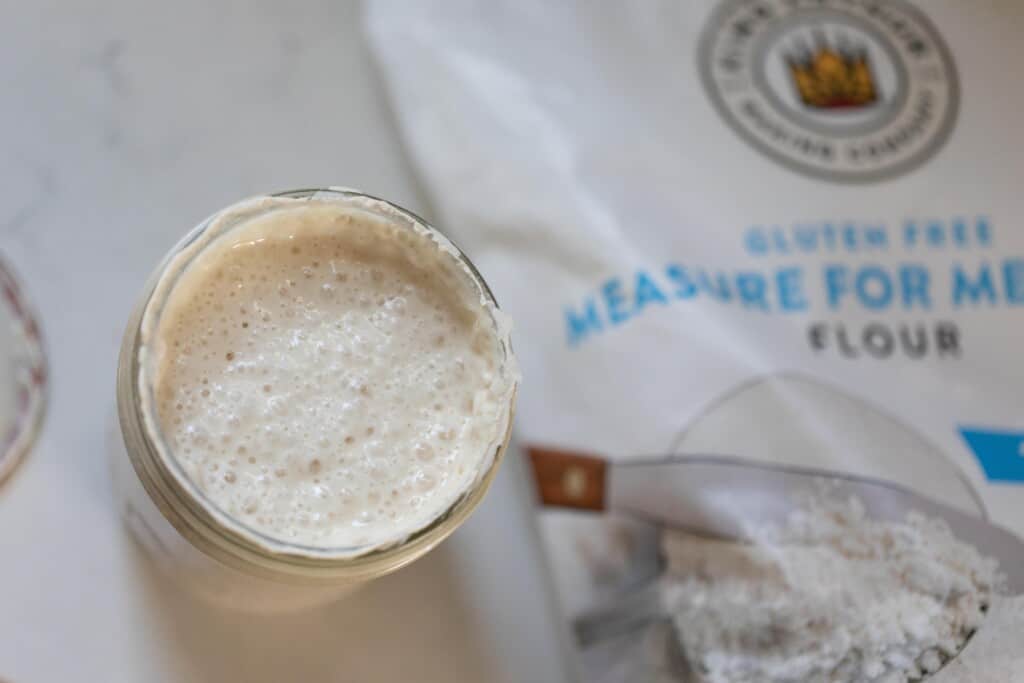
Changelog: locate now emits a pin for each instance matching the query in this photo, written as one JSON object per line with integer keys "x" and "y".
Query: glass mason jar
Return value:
{"x": 201, "y": 546}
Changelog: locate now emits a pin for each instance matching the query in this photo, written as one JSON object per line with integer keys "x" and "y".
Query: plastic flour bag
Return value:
{"x": 766, "y": 263}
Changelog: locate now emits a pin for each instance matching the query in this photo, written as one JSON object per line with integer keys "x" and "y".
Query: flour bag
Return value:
{"x": 766, "y": 265}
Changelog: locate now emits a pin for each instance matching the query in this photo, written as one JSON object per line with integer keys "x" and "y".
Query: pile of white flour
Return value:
{"x": 830, "y": 597}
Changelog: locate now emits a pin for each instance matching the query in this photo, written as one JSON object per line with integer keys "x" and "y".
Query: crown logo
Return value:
{"x": 828, "y": 77}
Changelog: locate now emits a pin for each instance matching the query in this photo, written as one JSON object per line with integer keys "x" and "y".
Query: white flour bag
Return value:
{"x": 766, "y": 263}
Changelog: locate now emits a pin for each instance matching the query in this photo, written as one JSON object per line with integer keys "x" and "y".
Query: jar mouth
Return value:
{"x": 187, "y": 506}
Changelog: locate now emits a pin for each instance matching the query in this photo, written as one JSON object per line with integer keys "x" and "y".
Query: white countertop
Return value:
{"x": 123, "y": 125}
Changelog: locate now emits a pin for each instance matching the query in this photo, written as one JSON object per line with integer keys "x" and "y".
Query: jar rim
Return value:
{"x": 187, "y": 507}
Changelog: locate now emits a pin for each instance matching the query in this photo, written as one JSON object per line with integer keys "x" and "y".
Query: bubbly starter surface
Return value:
{"x": 329, "y": 378}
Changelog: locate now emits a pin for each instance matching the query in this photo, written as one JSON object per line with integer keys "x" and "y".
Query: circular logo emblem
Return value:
{"x": 836, "y": 89}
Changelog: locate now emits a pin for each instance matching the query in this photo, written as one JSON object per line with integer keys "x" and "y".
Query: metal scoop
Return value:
{"x": 720, "y": 496}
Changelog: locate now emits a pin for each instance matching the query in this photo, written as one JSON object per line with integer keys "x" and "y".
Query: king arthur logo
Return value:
{"x": 843, "y": 91}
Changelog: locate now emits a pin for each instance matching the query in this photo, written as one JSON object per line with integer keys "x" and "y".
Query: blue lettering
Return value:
{"x": 849, "y": 233}
{"x": 914, "y": 281}
{"x": 882, "y": 296}
{"x": 910, "y": 233}
{"x": 751, "y": 288}
{"x": 958, "y": 226}
{"x": 835, "y": 284}
{"x": 646, "y": 292}
{"x": 1013, "y": 276}
{"x": 828, "y": 235}
{"x": 964, "y": 288}
{"x": 580, "y": 325}
{"x": 806, "y": 238}
{"x": 984, "y": 231}
{"x": 685, "y": 287}
{"x": 614, "y": 301}
{"x": 876, "y": 236}
{"x": 717, "y": 287}
{"x": 756, "y": 242}
{"x": 789, "y": 282}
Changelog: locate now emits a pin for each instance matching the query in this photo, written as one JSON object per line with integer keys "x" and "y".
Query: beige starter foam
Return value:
{"x": 330, "y": 378}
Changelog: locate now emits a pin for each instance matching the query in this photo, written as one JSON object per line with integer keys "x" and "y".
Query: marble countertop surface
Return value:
{"x": 123, "y": 125}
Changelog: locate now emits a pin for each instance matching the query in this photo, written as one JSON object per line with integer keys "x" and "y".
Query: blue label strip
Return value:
{"x": 1000, "y": 453}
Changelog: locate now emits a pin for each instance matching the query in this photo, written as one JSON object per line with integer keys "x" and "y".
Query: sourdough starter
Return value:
{"x": 330, "y": 378}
